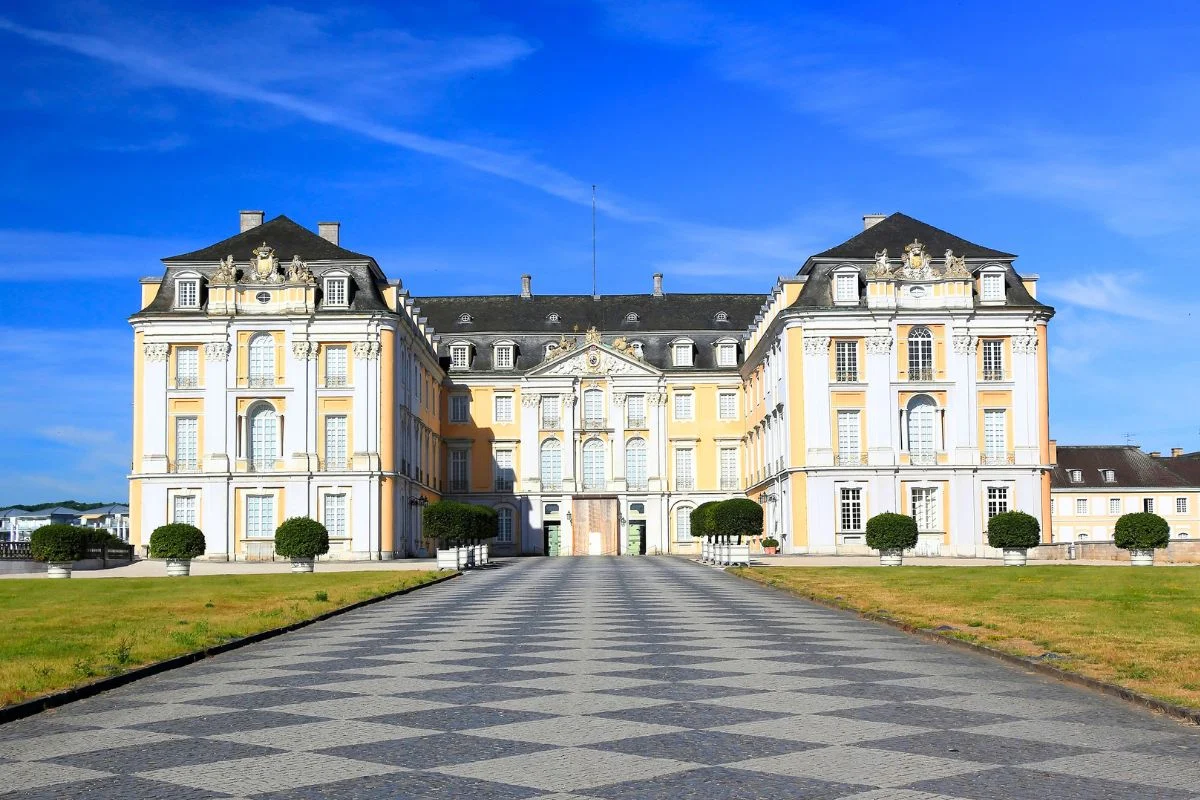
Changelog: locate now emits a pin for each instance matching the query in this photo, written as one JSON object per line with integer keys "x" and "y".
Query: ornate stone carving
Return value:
{"x": 225, "y": 275}
{"x": 618, "y": 399}
{"x": 621, "y": 345}
{"x": 879, "y": 345}
{"x": 592, "y": 336}
{"x": 882, "y": 268}
{"x": 956, "y": 266}
{"x": 156, "y": 351}
{"x": 366, "y": 350}
{"x": 658, "y": 399}
{"x": 564, "y": 345}
{"x": 816, "y": 345}
{"x": 530, "y": 400}
{"x": 305, "y": 350}
{"x": 298, "y": 272}
{"x": 594, "y": 360}
{"x": 964, "y": 344}
{"x": 916, "y": 262}
{"x": 264, "y": 267}
{"x": 1025, "y": 343}
{"x": 216, "y": 351}
{"x": 569, "y": 401}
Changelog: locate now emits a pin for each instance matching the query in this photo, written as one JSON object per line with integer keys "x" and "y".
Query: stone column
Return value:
{"x": 530, "y": 443}
{"x": 154, "y": 404}
{"x": 617, "y": 423}
{"x": 882, "y": 445}
{"x": 569, "y": 443}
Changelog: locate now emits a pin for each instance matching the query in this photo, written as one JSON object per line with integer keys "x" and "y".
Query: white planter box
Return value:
{"x": 739, "y": 554}
{"x": 302, "y": 564}
{"x": 1015, "y": 556}
{"x": 466, "y": 557}
{"x": 723, "y": 554}
{"x": 1141, "y": 558}
{"x": 481, "y": 554}
{"x": 447, "y": 559}
{"x": 891, "y": 558}
{"x": 58, "y": 569}
{"x": 179, "y": 567}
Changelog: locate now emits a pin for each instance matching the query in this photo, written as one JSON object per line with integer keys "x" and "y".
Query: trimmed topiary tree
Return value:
{"x": 58, "y": 544}
{"x": 702, "y": 520}
{"x": 446, "y": 522}
{"x": 178, "y": 543}
{"x": 891, "y": 534}
{"x": 301, "y": 539}
{"x": 1141, "y": 534}
{"x": 738, "y": 517}
{"x": 1014, "y": 532}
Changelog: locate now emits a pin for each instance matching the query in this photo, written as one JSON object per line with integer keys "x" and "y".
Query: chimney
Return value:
{"x": 527, "y": 286}
{"x": 1155, "y": 453}
{"x": 872, "y": 219}
{"x": 329, "y": 231}
{"x": 1176, "y": 452}
{"x": 658, "y": 292}
{"x": 249, "y": 219}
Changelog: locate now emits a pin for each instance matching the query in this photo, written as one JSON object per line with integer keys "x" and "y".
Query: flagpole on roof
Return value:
{"x": 594, "y": 295}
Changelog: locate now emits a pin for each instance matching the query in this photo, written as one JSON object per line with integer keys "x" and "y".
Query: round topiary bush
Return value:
{"x": 888, "y": 531}
{"x": 58, "y": 543}
{"x": 177, "y": 540}
{"x": 703, "y": 525}
{"x": 301, "y": 537}
{"x": 738, "y": 517}
{"x": 1014, "y": 530}
{"x": 1141, "y": 531}
{"x": 448, "y": 522}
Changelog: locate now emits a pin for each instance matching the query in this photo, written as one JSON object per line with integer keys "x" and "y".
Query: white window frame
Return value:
{"x": 845, "y": 287}
{"x": 550, "y": 464}
{"x": 727, "y": 404}
{"x": 459, "y": 461}
{"x": 1181, "y": 505}
{"x": 635, "y": 411}
{"x": 504, "y": 476}
{"x": 998, "y": 500}
{"x": 1114, "y": 506}
{"x": 465, "y": 319}
{"x": 849, "y": 435}
{"x": 1148, "y": 505}
{"x": 191, "y": 380}
{"x": 337, "y": 446}
{"x": 1081, "y": 506}
{"x": 334, "y": 514}
{"x": 845, "y": 360}
{"x": 636, "y": 477}
{"x": 683, "y": 406}
{"x": 550, "y": 411}
{"x": 260, "y": 360}
{"x": 993, "y": 359}
{"x": 183, "y": 509}
{"x": 594, "y": 465}
{"x": 504, "y": 356}
{"x": 502, "y": 408}
{"x": 727, "y": 353}
{"x": 685, "y": 469}
{"x": 593, "y": 408}
{"x": 260, "y": 516}
{"x": 1075, "y": 475}
{"x": 262, "y": 454}
{"x": 553, "y": 318}
{"x": 632, "y": 317}
{"x": 1108, "y": 475}
{"x": 187, "y": 285}
{"x": 721, "y": 316}
{"x": 683, "y": 353}
{"x": 851, "y": 509}
{"x": 337, "y": 365}
{"x": 927, "y": 508}
{"x": 336, "y": 291}
{"x": 460, "y": 356}
{"x": 920, "y": 354}
{"x": 506, "y": 523}
{"x": 683, "y": 524}
{"x": 995, "y": 440}
{"x": 727, "y": 469}
{"x": 460, "y": 408}
{"x": 991, "y": 284}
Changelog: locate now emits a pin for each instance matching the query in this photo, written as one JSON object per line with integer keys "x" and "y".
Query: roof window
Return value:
{"x": 1108, "y": 475}
{"x": 553, "y": 318}
{"x": 721, "y": 317}
{"x": 1076, "y": 475}
{"x": 464, "y": 319}
{"x": 632, "y": 317}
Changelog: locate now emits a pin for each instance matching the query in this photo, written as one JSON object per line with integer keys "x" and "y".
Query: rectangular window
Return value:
{"x": 995, "y": 438}
{"x": 846, "y": 290}
{"x": 727, "y": 467}
{"x": 460, "y": 408}
{"x": 551, "y": 473}
{"x": 335, "y": 515}
{"x": 635, "y": 411}
{"x": 335, "y": 366}
{"x": 187, "y": 368}
{"x": 186, "y": 445}
{"x": 846, "y": 361}
{"x": 1181, "y": 505}
{"x": 1148, "y": 505}
{"x": 727, "y": 405}
{"x": 993, "y": 360}
{"x": 635, "y": 465}
{"x": 850, "y": 509}
{"x": 1114, "y": 506}
{"x": 992, "y": 286}
{"x": 685, "y": 472}
{"x": 550, "y": 408}
{"x": 1081, "y": 507}
{"x": 460, "y": 356}
{"x": 504, "y": 526}
{"x": 593, "y": 408}
{"x": 504, "y": 470}
{"x": 504, "y": 408}
{"x": 683, "y": 355}
{"x": 727, "y": 354}
{"x": 335, "y": 442}
{"x": 849, "y": 450}
{"x": 189, "y": 294}
{"x": 683, "y": 525}
{"x": 926, "y": 509}
{"x": 504, "y": 356}
{"x": 335, "y": 292}
{"x": 683, "y": 405}
{"x": 458, "y": 470}
{"x": 260, "y": 516}
{"x": 997, "y": 500}
{"x": 183, "y": 509}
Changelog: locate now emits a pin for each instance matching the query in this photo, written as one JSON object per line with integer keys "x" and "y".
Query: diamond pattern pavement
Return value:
{"x": 598, "y": 679}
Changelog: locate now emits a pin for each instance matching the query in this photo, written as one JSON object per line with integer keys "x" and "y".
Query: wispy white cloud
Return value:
{"x": 57, "y": 255}
{"x": 1124, "y": 293}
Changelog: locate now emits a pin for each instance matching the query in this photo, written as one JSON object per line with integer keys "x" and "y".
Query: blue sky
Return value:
{"x": 458, "y": 142}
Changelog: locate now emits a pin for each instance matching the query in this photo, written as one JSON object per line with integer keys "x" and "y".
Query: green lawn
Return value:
{"x": 1137, "y": 627}
{"x": 58, "y": 634}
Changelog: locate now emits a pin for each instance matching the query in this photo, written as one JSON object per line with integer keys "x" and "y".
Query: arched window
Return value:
{"x": 635, "y": 464}
{"x": 922, "y": 412}
{"x": 632, "y": 317}
{"x": 464, "y": 319}
{"x": 683, "y": 524}
{"x": 721, "y": 317}
{"x": 920, "y": 354}
{"x": 505, "y": 522}
{"x": 264, "y": 438}
{"x": 262, "y": 360}
{"x": 551, "y": 465}
{"x": 593, "y": 465}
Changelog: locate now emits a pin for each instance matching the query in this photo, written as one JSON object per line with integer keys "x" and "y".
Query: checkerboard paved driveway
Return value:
{"x": 598, "y": 678}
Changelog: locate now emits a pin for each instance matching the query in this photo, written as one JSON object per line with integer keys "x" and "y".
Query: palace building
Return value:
{"x": 279, "y": 374}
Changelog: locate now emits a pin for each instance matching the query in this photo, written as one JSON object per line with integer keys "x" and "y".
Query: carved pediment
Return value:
{"x": 593, "y": 359}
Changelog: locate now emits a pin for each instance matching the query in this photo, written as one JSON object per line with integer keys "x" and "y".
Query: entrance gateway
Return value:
{"x": 594, "y": 526}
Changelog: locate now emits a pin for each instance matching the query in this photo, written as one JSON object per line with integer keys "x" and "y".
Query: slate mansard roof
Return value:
{"x": 1132, "y": 468}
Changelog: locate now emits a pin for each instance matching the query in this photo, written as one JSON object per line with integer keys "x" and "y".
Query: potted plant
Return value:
{"x": 447, "y": 522}
{"x": 891, "y": 534}
{"x": 1141, "y": 534}
{"x": 1014, "y": 532}
{"x": 702, "y": 527}
{"x": 737, "y": 518}
{"x": 301, "y": 539}
{"x": 178, "y": 543}
{"x": 58, "y": 546}
{"x": 770, "y": 545}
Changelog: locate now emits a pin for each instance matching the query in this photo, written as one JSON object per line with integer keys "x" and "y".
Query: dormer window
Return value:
{"x": 553, "y": 319}
{"x": 460, "y": 356}
{"x": 1076, "y": 475}
{"x": 1108, "y": 475}
{"x": 632, "y": 317}
{"x": 187, "y": 292}
{"x": 503, "y": 355}
{"x": 465, "y": 319}
{"x": 721, "y": 317}
{"x": 726, "y": 354}
{"x": 991, "y": 284}
{"x": 336, "y": 292}
{"x": 845, "y": 287}
{"x": 681, "y": 353}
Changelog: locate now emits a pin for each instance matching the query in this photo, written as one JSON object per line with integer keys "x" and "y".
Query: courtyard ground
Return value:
{"x": 1136, "y": 627}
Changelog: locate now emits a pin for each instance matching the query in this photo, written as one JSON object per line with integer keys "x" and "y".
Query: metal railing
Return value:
{"x": 637, "y": 486}
{"x": 999, "y": 459}
{"x": 682, "y": 484}
{"x": 593, "y": 423}
{"x": 261, "y": 381}
{"x": 335, "y": 464}
{"x": 850, "y": 459}
{"x": 552, "y": 486}
{"x": 457, "y": 485}
{"x": 846, "y": 376}
{"x": 922, "y": 459}
{"x": 335, "y": 381}
{"x": 186, "y": 382}
{"x": 993, "y": 374}
{"x": 190, "y": 465}
{"x": 635, "y": 422}
{"x": 920, "y": 374}
{"x": 261, "y": 465}
{"x": 551, "y": 423}
{"x": 16, "y": 551}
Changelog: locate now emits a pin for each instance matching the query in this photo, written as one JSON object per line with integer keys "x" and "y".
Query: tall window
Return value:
{"x": 264, "y": 445}
{"x": 460, "y": 408}
{"x": 260, "y": 516}
{"x": 992, "y": 286}
{"x": 635, "y": 464}
{"x": 850, "y": 509}
{"x": 458, "y": 470}
{"x": 505, "y": 474}
{"x": 503, "y": 356}
{"x": 845, "y": 287}
{"x": 682, "y": 353}
{"x": 685, "y": 469}
{"x": 635, "y": 411}
{"x": 593, "y": 465}
{"x": 183, "y": 509}
{"x": 187, "y": 368}
{"x": 1181, "y": 505}
{"x": 185, "y": 444}
{"x": 922, "y": 414}
{"x": 997, "y": 500}
{"x": 727, "y": 467}
{"x": 846, "y": 361}
{"x": 926, "y": 508}
{"x": 335, "y": 365}
{"x": 849, "y": 450}
{"x": 727, "y": 405}
{"x": 551, "y": 473}
{"x": 1114, "y": 506}
{"x": 593, "y": 408}
{"x": 683, "y": 405}
{"x": 504, "y": 408}
{"x": 1081, "y": 506}
{"x": 920, "y": 354}
{"x": 504, "y": 525}
{"x": 335, "y": 441}
{"x": 460, "y": 356}
{"x": 187, "y": 294}
{"x": 262, "y": 360}
{"x": 334, "y": 517}
{"x": 727, "y": 354}
{"x": 1148, "y": 505}
{"x": 995, "y": 440}
{"x": 993, "y": 359}
{"x": 550, "y": 408}
{"x": 683, "y": 524}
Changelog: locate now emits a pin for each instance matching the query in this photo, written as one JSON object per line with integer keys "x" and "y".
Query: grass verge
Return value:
{"x": 62, "y": 634}
{"x": 1137, "y": 628}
